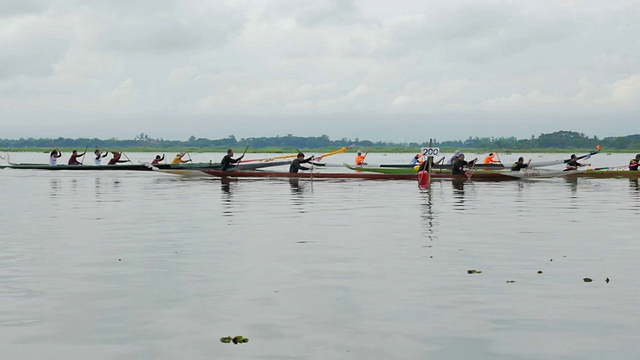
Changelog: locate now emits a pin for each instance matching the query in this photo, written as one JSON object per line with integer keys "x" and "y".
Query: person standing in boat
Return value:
{"x": 296, "y": 164}
{"x": 573, "y": 163}
{"x": 455, "y": 156}
{"x": 360, "y": 159}
{"x": 633, "y": 164}
{"x": 518, "y": 165}
{"x": 99, "y": 156}
{"x": 458, "y": 166}
{"x": 54, "y": 155}
{"x": 73, "y": 159}
{"x": 158, "y": 159}
{"x": 178, "y": 159}
{"x": 228, "y": 160}
{"x": 116, "y": 158}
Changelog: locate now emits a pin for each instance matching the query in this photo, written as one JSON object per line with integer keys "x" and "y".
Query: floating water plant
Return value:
{"x": 474, "y": 272}
{"x": 236, "y": 339}
{"x": 587, "y": 279}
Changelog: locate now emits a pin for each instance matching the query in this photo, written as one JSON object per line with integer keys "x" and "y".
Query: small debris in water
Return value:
{"x": 550, "y": 259}
{"x": 474, "y": 272}
{"x": 607, "y": 280}
{"x": 587, "y": 279}
{"x": 539, "y": 271}
{"x": 119, "y": 259}
{"x": 510, "y": 281}
{"x": 236, "y": 339}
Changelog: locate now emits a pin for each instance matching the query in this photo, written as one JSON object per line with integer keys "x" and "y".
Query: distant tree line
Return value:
{"x": 556, "y": 140}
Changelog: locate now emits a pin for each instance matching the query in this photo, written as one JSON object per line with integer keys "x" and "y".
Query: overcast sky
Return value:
{"x": 399, "y": 70}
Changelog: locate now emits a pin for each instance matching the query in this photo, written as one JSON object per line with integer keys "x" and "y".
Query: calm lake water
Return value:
{"x": 140, "y": 265}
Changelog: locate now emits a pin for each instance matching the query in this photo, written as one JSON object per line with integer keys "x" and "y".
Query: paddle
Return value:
{"x": 244, "y": 152}
{"x": 191, "y": 161}
{"x": 469, "y": 173}
{"x": 125, "y": 155}
{"x": 83, "y": 155}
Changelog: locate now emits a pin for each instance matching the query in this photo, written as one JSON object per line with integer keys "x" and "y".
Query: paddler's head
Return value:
{"x": 638, "y": 157}
{"x": 229, "y": 152}
{"x": 573, "y": 157}
{"x": 300, "y": 155}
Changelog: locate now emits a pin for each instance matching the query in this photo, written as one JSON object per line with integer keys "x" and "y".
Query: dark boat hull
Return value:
{"x": 354, "y": 175}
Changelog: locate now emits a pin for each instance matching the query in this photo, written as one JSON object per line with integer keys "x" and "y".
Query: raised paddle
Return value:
{"x": 83, "y": 155}
{"x": 125, "y": 155}
{"x": 244, "y": 152}
{"x": 469, "y": 173}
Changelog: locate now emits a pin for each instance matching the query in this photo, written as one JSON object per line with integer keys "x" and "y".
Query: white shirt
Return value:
{"x": 53, "y": 161}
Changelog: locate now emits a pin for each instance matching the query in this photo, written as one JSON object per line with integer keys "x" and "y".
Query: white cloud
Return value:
{"x": 284, "y": 62}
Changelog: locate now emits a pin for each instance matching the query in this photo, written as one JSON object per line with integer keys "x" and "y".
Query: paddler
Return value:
{"x": 573, "y": 163}
{"x": 116, "y": 158}
{"x": 491, "y": 159}
{"x": 360, "y": 158}
{"x": 415, "y": 159}
{"x": 519, "y": 164}
{"x": 99, "y": 156}
{"x": 296, "y": 163}
{"x": 178, "y": 158}
{"x": 73, "y": 159}
{"x": 633, "y": 164}
{"x": 458, "y": 167}
{"x": 157, "y": 159}
{"x": 228, "y": 160}
{"x": 54, "y": 155}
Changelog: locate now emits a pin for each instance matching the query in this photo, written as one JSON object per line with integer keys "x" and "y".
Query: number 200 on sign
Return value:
{"x": 430, "y": 151}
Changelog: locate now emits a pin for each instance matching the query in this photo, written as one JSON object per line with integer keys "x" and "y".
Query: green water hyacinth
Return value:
{"x": 236, "y": 339}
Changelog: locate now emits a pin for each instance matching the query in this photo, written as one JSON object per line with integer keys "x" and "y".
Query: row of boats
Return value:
{"x": 258, "y": 168}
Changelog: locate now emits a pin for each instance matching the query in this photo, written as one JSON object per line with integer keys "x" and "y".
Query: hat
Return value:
{"x": 457, "y": 153}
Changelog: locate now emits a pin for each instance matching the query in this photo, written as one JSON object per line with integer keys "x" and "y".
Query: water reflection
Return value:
{"x": 298, "y": 188}
{"x": 458, "y": 193}
{"x": 427, "y": 215}
{"x": 227, "y": 187}
{"x": 633, "y": 183}
{"x": 55, "y": 187}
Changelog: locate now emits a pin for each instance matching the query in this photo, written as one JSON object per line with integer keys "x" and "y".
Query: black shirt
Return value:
{"x": 227, "y": 161}
{"x": 295, "y": 165}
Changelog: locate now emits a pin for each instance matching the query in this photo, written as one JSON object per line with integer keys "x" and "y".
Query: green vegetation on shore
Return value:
{"x": 560, "y": 141}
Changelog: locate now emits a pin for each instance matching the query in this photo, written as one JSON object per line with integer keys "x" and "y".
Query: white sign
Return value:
{"x": 430, "y": 151}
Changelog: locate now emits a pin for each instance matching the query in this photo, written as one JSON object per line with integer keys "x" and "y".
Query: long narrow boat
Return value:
{"x": 607, "y": 174}
{"x": 142, "y": 167}
{"x": 540, "y": 173}
{"x": 443, "y": 167}
{"x": 481, "y": 175}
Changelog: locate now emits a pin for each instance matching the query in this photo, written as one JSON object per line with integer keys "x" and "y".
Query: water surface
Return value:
{"x": 111, "y": 265}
